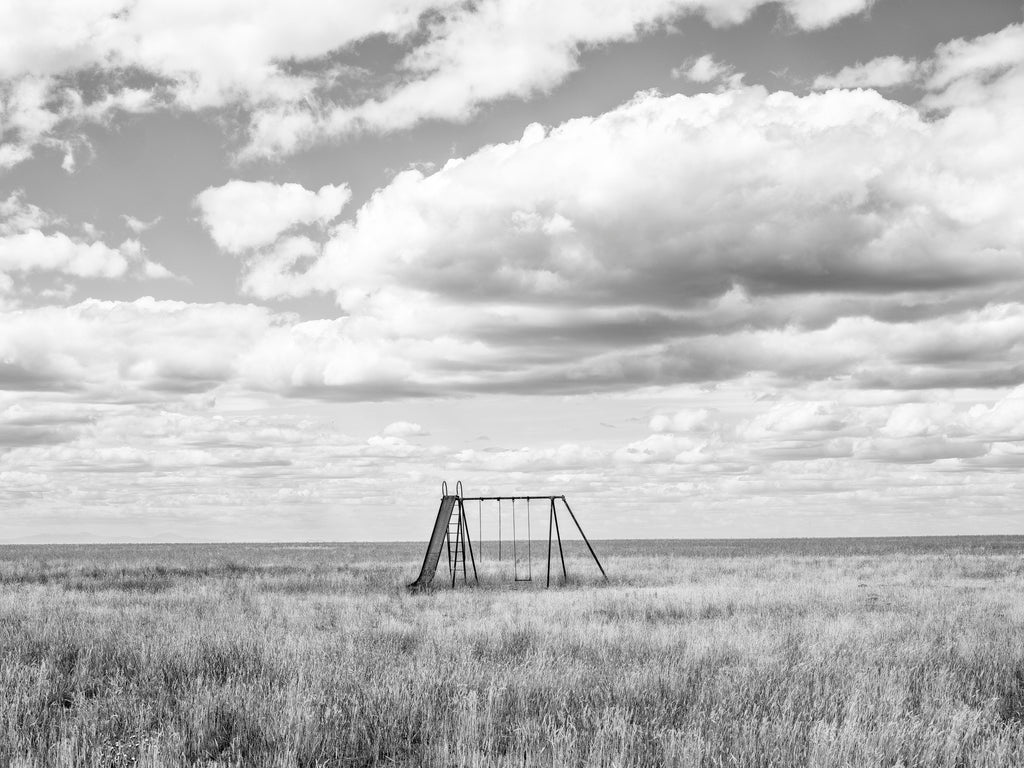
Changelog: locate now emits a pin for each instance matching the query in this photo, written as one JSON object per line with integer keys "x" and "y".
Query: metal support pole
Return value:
{"x": 480, "y": 530}
{"x": 464, "y": 535}
{"x": 471, "y": 558}
{"x": 499, "y": 530}
{"x": 455, "y": 563}
{"x": 551, "y": 512}
{"x": 448, "y": 542}
{"x": 529, "y": 542}
{"x": 515, "y": 543}
{"x": 558, "y": 533}
{"x": 586, "y": 541}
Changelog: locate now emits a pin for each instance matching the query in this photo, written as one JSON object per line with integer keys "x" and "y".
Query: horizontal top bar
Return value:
{"x": 510, "y": 498}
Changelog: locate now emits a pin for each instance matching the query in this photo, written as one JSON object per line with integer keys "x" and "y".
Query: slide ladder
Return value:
{"x": 437, "y": 540}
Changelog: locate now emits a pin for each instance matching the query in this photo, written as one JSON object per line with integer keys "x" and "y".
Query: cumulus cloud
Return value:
{"x": 148, "y": 349}
{"x": 17, "y": 216}
{"x": 685, "y": 421}
{"x": 884, "y": 219}
{"x": 980, "y": 57}
{"x": 481, "y": 53}
{"x": 243, "y": 215}
{"x": 33, "y": 250}
{"x": 883, "y": 72}
{"x": 566, "y": 456}
{"x": 285, "y": 62}
{"x": 849, "y": 215}
{"x": 912, "y": 432}
{"x": 857, "y": 258}
{"x": 110, "y": 350}
{"x": 404, "y": 429}
{"x": 957, "y": 75}
{"x": 871, "y": 203}
{"x": 42, "y": 109}
{"x": 789, "y": 459}
{"x": 31, "y": 242}
{"x": 138, "y": 226}
{"x": 702, "y": 70}
{"x": 862, "y": 244}
{"x": 25, "y": 118}
{"x": 188, "y": 458}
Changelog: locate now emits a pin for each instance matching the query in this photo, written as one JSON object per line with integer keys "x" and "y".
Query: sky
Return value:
{"x": 709, "y": 268}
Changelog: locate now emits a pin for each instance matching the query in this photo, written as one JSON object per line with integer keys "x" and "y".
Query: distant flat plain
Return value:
{"x": 815, "y": 652}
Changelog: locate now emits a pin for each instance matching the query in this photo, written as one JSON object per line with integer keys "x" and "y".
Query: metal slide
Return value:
{"x": 444, "y": 514}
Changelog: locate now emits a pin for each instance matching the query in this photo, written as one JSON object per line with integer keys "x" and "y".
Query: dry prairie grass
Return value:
{"x": 861, "y": 653}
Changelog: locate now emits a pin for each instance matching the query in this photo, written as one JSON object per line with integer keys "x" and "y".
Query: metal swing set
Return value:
{"x": 451, "y": 533}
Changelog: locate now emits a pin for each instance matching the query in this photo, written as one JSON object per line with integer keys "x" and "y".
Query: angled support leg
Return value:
{"x": 586, "y": 541}
{"x": 561, "y": 554}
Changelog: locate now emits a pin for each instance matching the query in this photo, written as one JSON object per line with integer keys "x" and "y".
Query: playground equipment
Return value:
{"x": 451, "y": 533}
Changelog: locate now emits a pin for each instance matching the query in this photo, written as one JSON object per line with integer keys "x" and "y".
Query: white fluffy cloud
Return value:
{"x": 281, "y": 60}
{"x": 33, "y": 250}
{"x": 766, "y": 233}
{"x": 802, "y": 229}
{"x": 874, "y": 198}
{"x": 189, "y": 460}
{"x": 404, "y": 429}
{"x": 957, "y": 75}
{"x": 854, "y": 260}
{"x": 44, "y": 110}
{"x": 702, "y": 70}
{"x": 480, "y": 53}
{"x": 915, "y": 432}
{"x": 209, "y": 53}
{"x": 137, "y": 225}
{"x": 26, "y": 247}
{"x": 243, "y": 215}
{"x": 791, "y": 460}
{"x": 883, "y": 72}
{"x": 109, "y": 350}
{"x": 698, "y": 420}
{"x": 980, "y": 57}
{"x": 24, "y": 118}
{"x": 562, "y": 457}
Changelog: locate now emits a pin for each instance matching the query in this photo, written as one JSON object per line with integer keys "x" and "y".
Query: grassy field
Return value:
{"x": 771, "y": 653}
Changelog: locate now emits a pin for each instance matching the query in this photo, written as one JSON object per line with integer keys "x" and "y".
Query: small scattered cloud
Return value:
{"x": 404, "y": 429}
{"x": 883, "y": 72}
{"x": 699, "y": 420}
{"x": 566, "y": 456}
{"x": 18, "y": 216}
{"x": 702, "y": 70}
{"x": 138, "y": 226}
{"x": 33, "y": 241}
